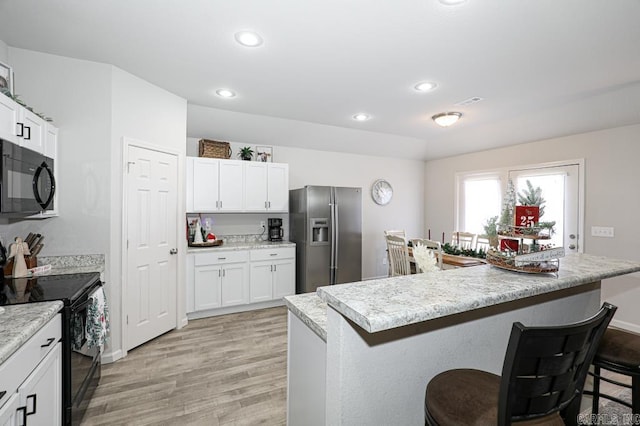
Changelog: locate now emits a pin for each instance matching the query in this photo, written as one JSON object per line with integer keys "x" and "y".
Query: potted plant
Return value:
{"x": 246, "y": 153}
{"x": 491, "y": 230}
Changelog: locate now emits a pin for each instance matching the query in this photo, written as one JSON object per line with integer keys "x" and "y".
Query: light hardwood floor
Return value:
{"x": 226, "y": 370}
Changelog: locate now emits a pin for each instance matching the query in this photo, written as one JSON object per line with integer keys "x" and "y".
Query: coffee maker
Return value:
{"x": 275, "y": 229}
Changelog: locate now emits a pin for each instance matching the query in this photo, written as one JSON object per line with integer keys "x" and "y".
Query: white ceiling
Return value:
{"x": 545, "y": 68}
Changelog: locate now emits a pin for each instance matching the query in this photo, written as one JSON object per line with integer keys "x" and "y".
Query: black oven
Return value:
{"x": 27, "y": 185}
{"x": 80, "y": 363}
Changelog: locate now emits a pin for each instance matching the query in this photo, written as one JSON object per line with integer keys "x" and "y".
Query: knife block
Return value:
{"x": 31, "y": 261}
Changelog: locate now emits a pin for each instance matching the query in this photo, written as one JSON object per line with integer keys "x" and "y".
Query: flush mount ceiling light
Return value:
{"x": 446, "y": 119}
{"x": 361, "y": 117}
{"x": 425, "y": 86}
{"x": 452, "y": 2}
{"x": 248, "y": 38}
{"x": 225, "y": 93}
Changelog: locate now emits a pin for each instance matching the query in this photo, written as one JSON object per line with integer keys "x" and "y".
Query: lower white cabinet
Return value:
{"x": 31, "y": 385}
{"x": 220, "y": 279}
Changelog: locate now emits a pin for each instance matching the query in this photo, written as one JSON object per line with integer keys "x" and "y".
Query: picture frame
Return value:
{"x": 264, "y": 154}
{"x": 6, "y": 79}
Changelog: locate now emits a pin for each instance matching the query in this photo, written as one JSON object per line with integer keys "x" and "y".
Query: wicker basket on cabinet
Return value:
{"x": 214, "y": 149}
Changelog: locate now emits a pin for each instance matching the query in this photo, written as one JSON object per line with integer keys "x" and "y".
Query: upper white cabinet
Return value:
{"x": 266, "y": 187}
{"x": 21, "y": 126}
{"x": 236, "y": 186}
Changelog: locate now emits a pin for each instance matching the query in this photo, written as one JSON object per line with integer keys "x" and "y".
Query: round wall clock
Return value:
{"x": 381, "y": 192}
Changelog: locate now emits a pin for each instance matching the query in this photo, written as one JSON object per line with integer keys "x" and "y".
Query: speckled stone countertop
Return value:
{"x": 387, "y": 303}
{"x": 243, "y": 246}
{"x": 19, "y": 322}
{"x": 311, "y": 310}
{"x": 73, "y": 264}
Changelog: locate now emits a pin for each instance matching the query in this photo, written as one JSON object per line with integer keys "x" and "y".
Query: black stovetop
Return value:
{"x": 68, "y": 288}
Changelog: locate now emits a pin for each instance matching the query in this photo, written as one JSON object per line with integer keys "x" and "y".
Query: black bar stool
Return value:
{"x": 619, "y": 351}
{"x": 542, "y": 379}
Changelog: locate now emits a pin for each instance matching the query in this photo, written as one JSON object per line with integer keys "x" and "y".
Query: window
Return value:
{"x": 480, "y": 199}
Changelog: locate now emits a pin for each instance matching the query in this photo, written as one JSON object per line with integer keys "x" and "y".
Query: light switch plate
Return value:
{"x": 602, "y": 231}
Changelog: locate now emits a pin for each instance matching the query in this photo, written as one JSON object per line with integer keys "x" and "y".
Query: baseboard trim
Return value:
{"x": 626, "y": 325}
{"x": 109, "y": 357}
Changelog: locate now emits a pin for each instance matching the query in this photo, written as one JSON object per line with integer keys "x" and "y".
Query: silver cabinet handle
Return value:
{"x": 173, "y": 251}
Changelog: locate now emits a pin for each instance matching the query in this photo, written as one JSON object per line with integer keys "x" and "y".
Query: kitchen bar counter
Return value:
{"x": 243, "y": 246}
{"x": 311, "y": 310}
{"x": 19, "y": 322}
{"x": 387, "y": 303}
{"x": 385, "y": 339}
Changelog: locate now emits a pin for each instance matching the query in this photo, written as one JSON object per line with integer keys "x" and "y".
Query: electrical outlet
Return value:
{"x": 384, "y": 260}
{"x": 262, "y": 224}
{"x": 602, "y": 231}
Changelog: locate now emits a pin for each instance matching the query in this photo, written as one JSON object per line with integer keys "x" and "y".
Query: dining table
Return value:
{"x": 454, "y": 260}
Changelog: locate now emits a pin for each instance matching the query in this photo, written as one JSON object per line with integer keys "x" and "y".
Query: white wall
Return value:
{"x": 311, "y": 167}
{"x": 611, "y": 176}
{"x": 144, "y": 112}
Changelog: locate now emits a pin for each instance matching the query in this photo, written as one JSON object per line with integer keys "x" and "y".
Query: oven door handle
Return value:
{"x": 36, "y": 178}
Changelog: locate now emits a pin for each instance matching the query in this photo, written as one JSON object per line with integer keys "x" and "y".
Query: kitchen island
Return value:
{"x": 385, "y": 339}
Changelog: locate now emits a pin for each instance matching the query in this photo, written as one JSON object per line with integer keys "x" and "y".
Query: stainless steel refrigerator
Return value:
{"x": 325, "y": 222}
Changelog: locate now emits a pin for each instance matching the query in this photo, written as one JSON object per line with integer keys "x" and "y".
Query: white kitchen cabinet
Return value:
{"x": 32, "y": 380}
{"x": 266, "y": 187}
{"x": 272, "y": 274}
{"x": 219, "y": 279}
{"x": 21, "y": 126}
{"x": 214, "y": 185}
{"x": 51, "y": 151}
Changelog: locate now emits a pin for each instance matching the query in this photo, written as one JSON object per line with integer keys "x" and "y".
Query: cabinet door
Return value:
{"x": 205, "y": 185}
{"x": 33, "y": 131}
{"x": 278, "y": 187}
{"x": 255, "y": 186}
{"x": 41, "y": 392}
{"x": 51, "y": 143}
{"x": 231, "y": 185}
{"x": 234, "y": 279}
{"x": 8, "y": 412}
{"x": 284, "y": 278}
{"x": 261, "y": 287}
{"x": 9, "y": 115}
{"x": 206, "y": 287}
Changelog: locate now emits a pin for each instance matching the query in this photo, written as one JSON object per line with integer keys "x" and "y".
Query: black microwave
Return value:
{"x": 27, "y": 185}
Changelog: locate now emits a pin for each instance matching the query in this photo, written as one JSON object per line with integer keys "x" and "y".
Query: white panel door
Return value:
{"x": 33, "y": 132}
{"x": 152, "y": 208}
{"x": 234, "y": 278}
{"x": 561, "y": 191}
{"x": 231, "y": 185}
{"x": 255, "y": 186}
{"x": 207, "y": 287}
{"x": 278, "y": 187}
{"x": 9, "y": 115}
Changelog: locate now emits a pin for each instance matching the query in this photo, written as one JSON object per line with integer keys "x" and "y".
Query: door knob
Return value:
{"x": 572, "y": 236}
{"x": 173, "y": 251}
{"x": 572, "y": 246}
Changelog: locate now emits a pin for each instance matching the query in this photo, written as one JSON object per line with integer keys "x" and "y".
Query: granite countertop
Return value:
{"x": 387, "y": 303}
{"x": 311, "y": 310}
{"x": 19, "y": 322}
{"x": 243, "y": 246}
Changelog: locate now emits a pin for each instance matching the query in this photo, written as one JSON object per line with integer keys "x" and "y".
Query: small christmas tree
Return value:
{"x": 508, "y": 205}
{"x": 531, "y": 196}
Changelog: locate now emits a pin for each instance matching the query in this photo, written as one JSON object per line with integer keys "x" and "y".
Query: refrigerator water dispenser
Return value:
{"x": 319, "y": 232}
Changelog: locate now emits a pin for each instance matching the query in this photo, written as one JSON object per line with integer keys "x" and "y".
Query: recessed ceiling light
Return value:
{"x": 425, "y": 86}
{"x": 248, "y": 38}
{"x": 452, "y": 2}
{"x": 225, "y": 93}
{"x": 446, "y": 119}
{"x": 361, "y": 117}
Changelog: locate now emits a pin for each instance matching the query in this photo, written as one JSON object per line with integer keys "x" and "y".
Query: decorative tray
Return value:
{"x": 214, "y": 243}
{"x": 523, "y": 263}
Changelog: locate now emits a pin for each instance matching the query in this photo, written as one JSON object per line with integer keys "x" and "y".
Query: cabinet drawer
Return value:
{"x": 220, "y": 257}
{"x": 274, "y": 253}
{"x": 23, "y": 361}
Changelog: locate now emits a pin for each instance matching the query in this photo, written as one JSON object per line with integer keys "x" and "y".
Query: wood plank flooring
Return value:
{"x": 226, "y": 370}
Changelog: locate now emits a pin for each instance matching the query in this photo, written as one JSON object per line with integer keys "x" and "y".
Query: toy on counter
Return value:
{"x": 17, "y": 251}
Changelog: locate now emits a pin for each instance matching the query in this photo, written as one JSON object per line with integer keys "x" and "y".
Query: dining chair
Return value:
{"x": 619, "y": 352}
{"x": 542, "y": 380}
{"x": 435, "y": 246}
{"x": 396, "y": 232}
{"x": 398, "y": 256}
{"x": 464, "y": 240}
{"x": 483, "y": 243}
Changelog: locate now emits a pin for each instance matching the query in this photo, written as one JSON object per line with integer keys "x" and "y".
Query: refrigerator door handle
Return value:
{"x": 332, "y": 256}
